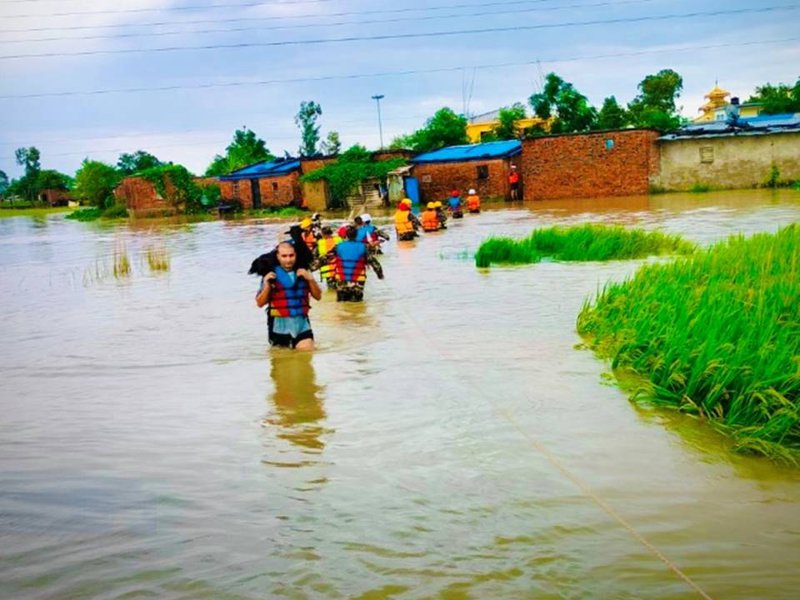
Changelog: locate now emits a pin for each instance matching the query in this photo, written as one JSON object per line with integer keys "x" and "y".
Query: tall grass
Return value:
{"x": 122, "y": 264}
{"x": 157, "y": 258}
{"x": 582, "y": 243}
{"x": 716, "y": 335}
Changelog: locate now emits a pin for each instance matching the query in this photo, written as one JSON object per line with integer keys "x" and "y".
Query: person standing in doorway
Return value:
{"x": 513, "y": 182}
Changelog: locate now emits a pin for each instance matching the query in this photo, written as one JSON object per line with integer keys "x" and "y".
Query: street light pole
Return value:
{"x": 380, "y": 124}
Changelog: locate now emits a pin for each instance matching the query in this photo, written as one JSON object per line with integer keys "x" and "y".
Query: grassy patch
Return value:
{"x": 32, "y": 212}
{"x": 583, "y": 243}
{"x": 716, "y": 335}
{"x": 282, "y": 211}
{"x": 122, "y": 264}
{"x": 700, "y": 188}
{"x": 92, "y": 214}
{"x": 157, "y": 259}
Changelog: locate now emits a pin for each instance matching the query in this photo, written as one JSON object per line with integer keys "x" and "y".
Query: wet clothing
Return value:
{"x": 474, "y": 203}
{"x": 366, "y": 233}
{"x": 287, "y": 312}
{"x": 440, "y": 214}
{"x": 430, "y": 220}
{"x": 324, "y": 247}
{"x": 351, "y": 271}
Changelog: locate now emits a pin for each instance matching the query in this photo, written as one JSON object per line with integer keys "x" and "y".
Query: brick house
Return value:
{"x": 587, "y": 165}
{"x": 268, "y": 183}
{"x": 483, "y": 167}
{"x": 141, "y": 198}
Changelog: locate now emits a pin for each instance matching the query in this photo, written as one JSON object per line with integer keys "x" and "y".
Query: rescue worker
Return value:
{"x": 351, "y": 268}
{"x": 441, "y": 215}
{"x": 325, "y": 247}
{"x": 454, "y": 204}
{"x": 308, "y": 234}
{"x": 405, "y": 223}
{"x": 286, "y": 291}
{"x": 371, "y": 237}
{"x": 513, "y": 182}
{"x": 430, "y": 220}
{"x": 473, "y": 202}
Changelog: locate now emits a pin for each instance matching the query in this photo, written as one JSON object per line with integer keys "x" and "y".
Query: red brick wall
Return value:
{"x": 580, "y": 165}
{"x": 436, "y": 180}
{"x": 275, "y": 191}
{"x": 140, "y": 197}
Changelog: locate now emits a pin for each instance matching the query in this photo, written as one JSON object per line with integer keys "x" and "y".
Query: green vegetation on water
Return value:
{"x": 582, "y": 243}
{"x": 116, "y": 211}
{"x": 282, "y": 212}
{"x": 32, "y": 211}
{"x": 715, "y": 335}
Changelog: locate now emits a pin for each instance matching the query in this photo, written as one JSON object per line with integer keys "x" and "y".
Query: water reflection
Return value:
{"x": 297, "y": 400}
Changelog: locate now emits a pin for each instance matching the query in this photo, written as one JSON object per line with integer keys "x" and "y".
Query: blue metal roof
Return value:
{"x": 274, "y": 168}
{"x": 762, "y": 125}
{"x": 471, "y": 152}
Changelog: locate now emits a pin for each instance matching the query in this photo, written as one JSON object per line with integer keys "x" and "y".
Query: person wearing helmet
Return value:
{"x": 430, "y": 220}
{"x": 514, "y": 182}
{"x": 308, "y": 234}
{"x": 350, "y": 268}
{"x": 440, "y": 214}
{"x": 473, "y": 202}
{"x": 454, "y": 204}
{"x": 405, "y": 223}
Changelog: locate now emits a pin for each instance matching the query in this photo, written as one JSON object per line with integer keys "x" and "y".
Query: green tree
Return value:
{"x": 611, "y": 115}
{"x": 245, "y": 149}
{"x": 3, "y": 182}
{"x": 332, "y": 144}
{"x": 508, "y": 118}
{"x": 569, "y": 109}
{"x": 49, "y": 179}
{"x": 444, "y": 128}
{"x": 777, "y": 99}
{"x": 138, "y": 161}
{"x": 306, "y": 120}
{"x": 403, "y": 142}
{"x": 655, "y": 105}
{"x": 27, "y": 185}
{"x": 95, "y": 182}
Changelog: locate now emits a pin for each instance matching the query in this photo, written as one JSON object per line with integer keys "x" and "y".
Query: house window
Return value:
{"x": 426, "y": 179}
{"x": 274, "y": 186}
{"x": 483, "y": 171}
{"x": 235, "y": 189}
{"x": 706, "y": 154}
{"x": 609, "y": 144}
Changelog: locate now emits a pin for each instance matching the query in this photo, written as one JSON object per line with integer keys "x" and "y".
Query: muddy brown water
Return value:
{"x": 152, "y": 446}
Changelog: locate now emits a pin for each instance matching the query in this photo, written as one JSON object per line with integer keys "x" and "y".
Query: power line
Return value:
{"x": 385, "y": 37}
{"x": 231, "y": 84}
{"x": 146, "y": 10}
{"x": 280, "y": 18}
{"x": 312, "y": 25}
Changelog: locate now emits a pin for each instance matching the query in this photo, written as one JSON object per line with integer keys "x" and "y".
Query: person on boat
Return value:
{"x": 430, "y": 220}
{"x": 286, "y": 291}
{"x": 454, "y": 204}
{"x": 473, "y": 202}
{"x": 405, "y": 223}
{"x": 350, "y": 268}
{"x": 325, "y": 247}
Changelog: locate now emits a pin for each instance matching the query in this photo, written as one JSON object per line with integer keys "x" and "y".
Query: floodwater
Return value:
{"x": 446, "y": 440}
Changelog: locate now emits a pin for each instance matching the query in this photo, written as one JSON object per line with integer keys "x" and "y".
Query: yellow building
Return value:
{"x": 480, "y": 126}
{"x": 716, "y": 107}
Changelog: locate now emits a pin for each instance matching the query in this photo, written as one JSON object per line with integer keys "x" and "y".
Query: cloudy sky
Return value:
{"x": 94, "y": 78}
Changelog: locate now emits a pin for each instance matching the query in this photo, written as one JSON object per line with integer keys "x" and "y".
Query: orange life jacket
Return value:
{"x": 430, "y": 220}
{"x": 324, "y": 246}
{"x": 473, "y": 202}
{"x": 402, "y": 222}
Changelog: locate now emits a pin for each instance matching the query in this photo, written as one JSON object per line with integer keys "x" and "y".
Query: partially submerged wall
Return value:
{"x": 728, "y": 162}
{"x": 587, "y": 165}
{"x": 141, "y": 197}
{"x": 488, "y": 177}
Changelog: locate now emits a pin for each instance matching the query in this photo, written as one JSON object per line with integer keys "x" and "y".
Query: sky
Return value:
{"x": 91, "y": 78}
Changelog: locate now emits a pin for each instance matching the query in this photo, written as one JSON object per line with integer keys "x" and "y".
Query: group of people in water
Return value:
{"x": 342, "y": 258}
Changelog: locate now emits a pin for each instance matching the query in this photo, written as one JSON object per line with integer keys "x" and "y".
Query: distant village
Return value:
{"x": 729, "y": 145}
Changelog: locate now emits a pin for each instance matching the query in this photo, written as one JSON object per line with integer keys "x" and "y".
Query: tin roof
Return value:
{"x": 471, "y": 152}
{"x": 761, "y": 125}
{"x": 273, "y": 168}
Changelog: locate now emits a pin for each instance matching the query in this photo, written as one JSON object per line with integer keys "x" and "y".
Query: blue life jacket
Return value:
{"x": 351, "y": 261}
{"x": 288, "y": 298}
{"x": 365, "y": 233}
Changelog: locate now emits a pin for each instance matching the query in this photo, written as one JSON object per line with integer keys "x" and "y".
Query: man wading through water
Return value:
{"x": 287, "y": 292}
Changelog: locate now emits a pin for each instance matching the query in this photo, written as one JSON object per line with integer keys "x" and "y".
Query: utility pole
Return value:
{"x": 380, "y": 124}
